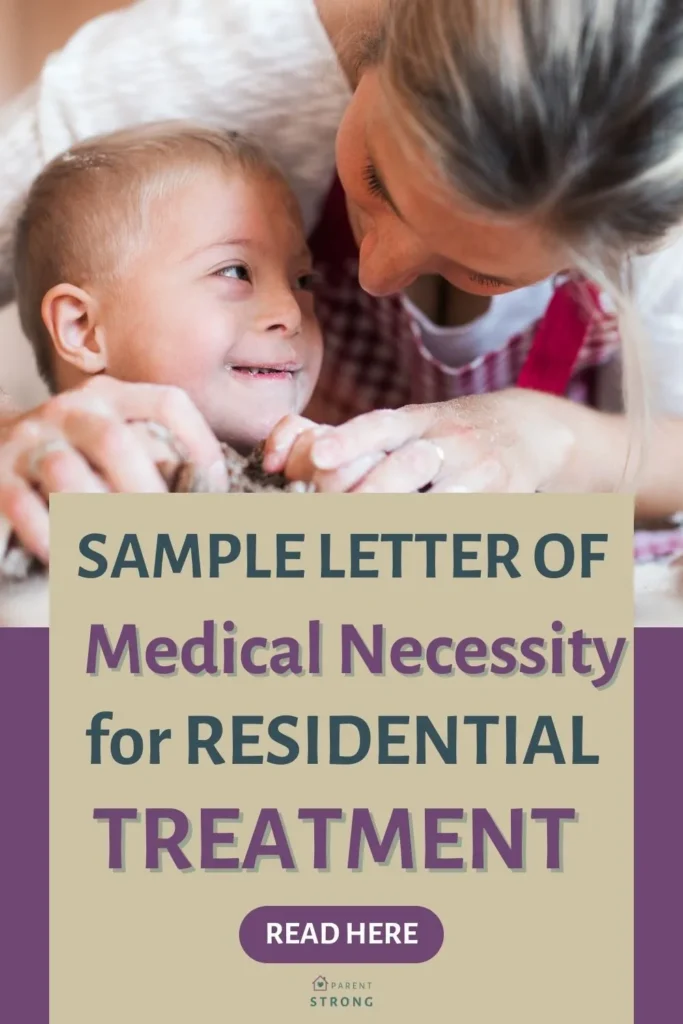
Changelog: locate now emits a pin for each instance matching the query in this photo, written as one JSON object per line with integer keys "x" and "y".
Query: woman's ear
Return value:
{"x": 71, "y": 315}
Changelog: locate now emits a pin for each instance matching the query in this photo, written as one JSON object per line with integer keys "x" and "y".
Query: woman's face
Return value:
{"x": 407, "y": 226}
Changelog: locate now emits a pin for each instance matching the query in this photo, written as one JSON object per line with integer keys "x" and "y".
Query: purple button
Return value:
{"x": 341, "y": 935}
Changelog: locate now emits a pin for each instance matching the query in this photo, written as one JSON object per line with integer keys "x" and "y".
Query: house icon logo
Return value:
{"x": 320, "y": 984}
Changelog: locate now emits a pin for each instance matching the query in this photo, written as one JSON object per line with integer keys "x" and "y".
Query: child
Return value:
{"x": 176, "y": 255}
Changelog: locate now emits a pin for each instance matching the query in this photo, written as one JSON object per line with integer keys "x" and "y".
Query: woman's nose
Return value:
{"x": 386, "y": 269}
{"x": 281, "y": 314}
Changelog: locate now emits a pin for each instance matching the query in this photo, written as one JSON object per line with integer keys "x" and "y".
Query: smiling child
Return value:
{"x": 172, "y": 254}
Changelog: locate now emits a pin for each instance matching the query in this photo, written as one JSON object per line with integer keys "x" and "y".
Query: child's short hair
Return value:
{"x": 87, "y": 212}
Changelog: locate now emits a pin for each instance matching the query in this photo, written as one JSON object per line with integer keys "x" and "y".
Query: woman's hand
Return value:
{"x": 511, "y": 441}
{"x": 89, "y": 440}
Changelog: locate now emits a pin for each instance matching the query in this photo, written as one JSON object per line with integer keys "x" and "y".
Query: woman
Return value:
{"x": 489, "y": 144}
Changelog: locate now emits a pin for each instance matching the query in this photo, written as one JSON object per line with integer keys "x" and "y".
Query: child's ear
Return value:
{"x": 71, "y": 315}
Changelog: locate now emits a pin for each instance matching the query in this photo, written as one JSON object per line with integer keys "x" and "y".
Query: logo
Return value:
{"x": 341, "y": 994}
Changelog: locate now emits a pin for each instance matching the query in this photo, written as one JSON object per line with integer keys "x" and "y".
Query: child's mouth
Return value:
{"x": 263, "y": 373}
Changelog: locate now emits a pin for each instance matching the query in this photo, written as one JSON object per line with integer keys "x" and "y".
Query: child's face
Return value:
{"x": 219, "y": 303}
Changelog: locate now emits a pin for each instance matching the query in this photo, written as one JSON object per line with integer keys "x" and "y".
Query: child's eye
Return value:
{"x": 306, "y": 282}
{"x": 237, "y": 271}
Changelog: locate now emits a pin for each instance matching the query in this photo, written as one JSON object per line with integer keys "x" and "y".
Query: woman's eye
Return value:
{"x": 237, "y": 271}
{"x": 487, "y": 282}
{"x": 374, "y": 182}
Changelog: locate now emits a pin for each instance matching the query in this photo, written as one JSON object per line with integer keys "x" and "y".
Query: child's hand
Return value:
{"x": 288, "y": 450}
{"x": 294, "y": 445}
{"x": 285, "y": 436}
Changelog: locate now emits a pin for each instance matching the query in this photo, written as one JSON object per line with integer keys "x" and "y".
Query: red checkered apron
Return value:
{"x": 375, "y": 357}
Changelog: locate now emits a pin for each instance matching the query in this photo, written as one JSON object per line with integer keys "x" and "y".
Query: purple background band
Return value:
{"x": 24, "y": 814}
{"x": 659, "y": 823}
{"x": 24, "y": 828}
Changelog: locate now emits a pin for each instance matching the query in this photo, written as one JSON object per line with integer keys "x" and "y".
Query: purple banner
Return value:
{"x": 659, "y": 825}
{"x": 24, "y": 835}
{"x": 24, "y": 868}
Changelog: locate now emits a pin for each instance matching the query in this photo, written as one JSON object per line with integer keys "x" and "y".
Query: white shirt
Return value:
{"x": 506, "y": 316}
{"x": 266, "y": 67}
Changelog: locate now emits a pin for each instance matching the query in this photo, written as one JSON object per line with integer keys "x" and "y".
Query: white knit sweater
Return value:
{"x": 263, "y": 66}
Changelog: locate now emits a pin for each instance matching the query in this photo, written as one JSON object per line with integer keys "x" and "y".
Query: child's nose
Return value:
{"x": 282, "y": 314}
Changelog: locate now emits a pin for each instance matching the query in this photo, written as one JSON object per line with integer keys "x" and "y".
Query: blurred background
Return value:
{"x": 29, "y": 31}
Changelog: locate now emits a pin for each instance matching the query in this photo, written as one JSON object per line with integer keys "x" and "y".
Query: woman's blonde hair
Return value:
{"x": 570, "y": 111}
